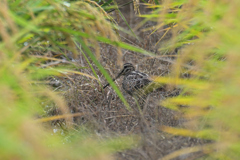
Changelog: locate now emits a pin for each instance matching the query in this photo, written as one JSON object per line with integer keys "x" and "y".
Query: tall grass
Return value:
{"x": 207, "y": 36}
{"x": 34, "y": 35}
{"x": 39, "y": 38}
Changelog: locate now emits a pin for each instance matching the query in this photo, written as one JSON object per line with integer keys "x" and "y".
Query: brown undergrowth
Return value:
{"x": 104, "y": 113}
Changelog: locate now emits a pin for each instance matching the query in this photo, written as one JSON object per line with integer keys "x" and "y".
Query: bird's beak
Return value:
{"x": 118, "y": 75}
{"x": 114, "y": 79}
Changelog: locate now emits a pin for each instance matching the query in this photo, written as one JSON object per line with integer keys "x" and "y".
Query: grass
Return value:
{"x": 57, "y": 55}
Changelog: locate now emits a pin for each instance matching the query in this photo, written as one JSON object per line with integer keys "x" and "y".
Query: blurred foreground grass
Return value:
{"x": 31, "y": 34}
{"x": 207, "y": 69}
{"x": 207, "y": 36}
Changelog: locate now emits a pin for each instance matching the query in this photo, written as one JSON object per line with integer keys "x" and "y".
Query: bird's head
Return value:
{"x": 127, "y": 68}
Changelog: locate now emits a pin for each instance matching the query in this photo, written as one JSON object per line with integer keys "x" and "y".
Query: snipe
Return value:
{"x": 134, "y": 81}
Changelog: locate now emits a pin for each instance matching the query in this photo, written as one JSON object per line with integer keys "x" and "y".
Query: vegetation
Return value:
{"x": 34, "y": 34}
{"x": 56, "y": 55}
{"x": 207, "y": 32}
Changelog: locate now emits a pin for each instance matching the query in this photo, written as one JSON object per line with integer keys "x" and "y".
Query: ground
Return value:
{"x": 105, "y": 112}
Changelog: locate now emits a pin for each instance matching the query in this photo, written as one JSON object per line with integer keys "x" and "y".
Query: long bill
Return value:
{"x": 114, "y": 79}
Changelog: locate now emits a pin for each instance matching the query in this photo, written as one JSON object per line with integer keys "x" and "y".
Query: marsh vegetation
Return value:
{"x": 56, "y": 56}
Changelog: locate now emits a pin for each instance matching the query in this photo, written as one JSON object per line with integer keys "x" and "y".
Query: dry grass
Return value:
{"x": 203, "y": 75}
{"x": 104, "y": 113}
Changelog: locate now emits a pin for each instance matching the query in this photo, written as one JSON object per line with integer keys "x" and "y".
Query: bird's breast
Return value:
{"x": 135, "y": 81}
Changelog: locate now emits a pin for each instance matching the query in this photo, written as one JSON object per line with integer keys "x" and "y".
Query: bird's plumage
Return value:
{"x": 133, "y": 81}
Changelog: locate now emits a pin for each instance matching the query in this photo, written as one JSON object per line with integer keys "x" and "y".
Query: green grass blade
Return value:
{"x": 104, "y": 72}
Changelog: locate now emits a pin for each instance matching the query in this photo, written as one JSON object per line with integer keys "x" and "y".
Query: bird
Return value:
{"x": 134, "y": 82}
